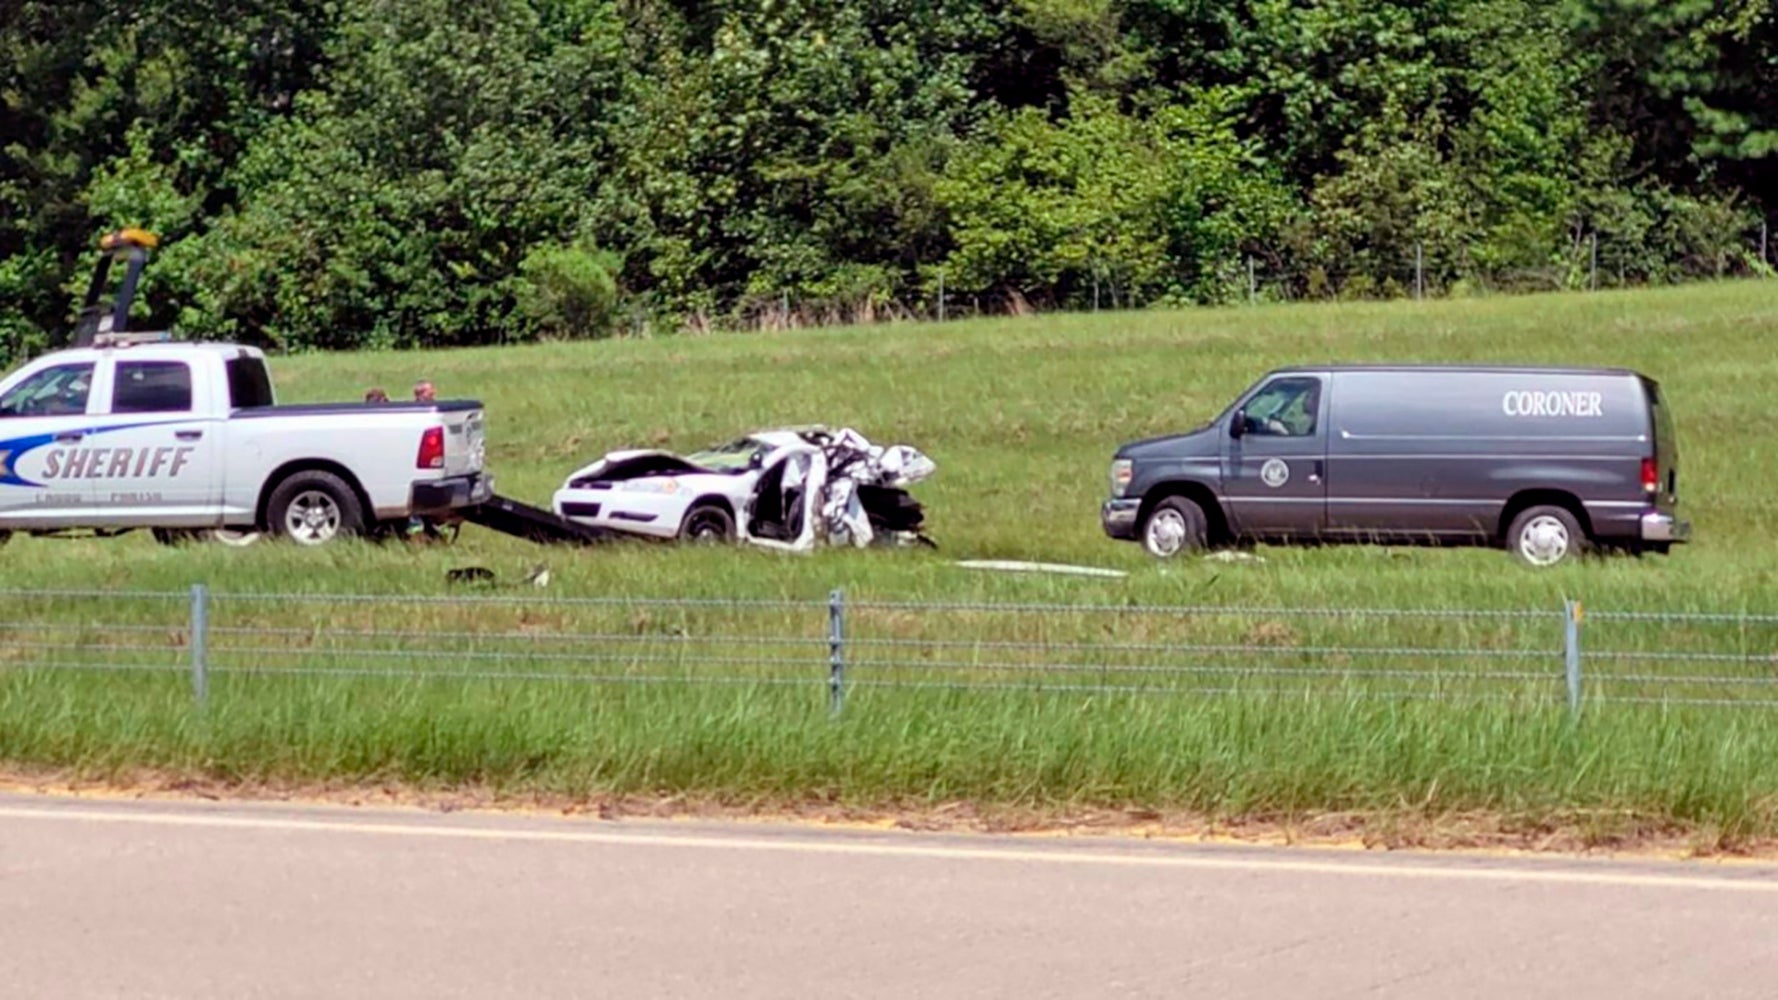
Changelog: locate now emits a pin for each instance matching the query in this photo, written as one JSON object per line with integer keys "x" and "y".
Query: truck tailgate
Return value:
{"x": 464, "y": 446}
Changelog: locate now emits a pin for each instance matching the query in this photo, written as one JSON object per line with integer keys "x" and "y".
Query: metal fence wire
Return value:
{"x": 1535, "y": 656}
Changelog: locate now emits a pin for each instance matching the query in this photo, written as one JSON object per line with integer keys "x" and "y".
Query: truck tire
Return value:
{"x": 5, "y": 536}
{"x": 707, "y": 522}
{"x": 1546, "y": 535}
{"x": 314, "y": 508}
{"x": 1175, "y": 525}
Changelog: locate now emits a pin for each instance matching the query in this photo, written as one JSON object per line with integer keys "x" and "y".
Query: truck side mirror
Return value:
{"x": 1238, "y": 424}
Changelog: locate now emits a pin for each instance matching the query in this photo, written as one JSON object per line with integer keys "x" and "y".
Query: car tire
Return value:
{"x": 708, "y": 523}
{"x": 1545, "y": 536}
{"x": 5, "y": 536}
{"x": 173, "y": 536}
{"x": 235, "y": 538}
{"x": 314, "y": 508}
{"x": 1175, "y": 525}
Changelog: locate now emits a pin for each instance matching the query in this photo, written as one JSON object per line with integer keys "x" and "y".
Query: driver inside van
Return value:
{"x": 1286, "y": 408}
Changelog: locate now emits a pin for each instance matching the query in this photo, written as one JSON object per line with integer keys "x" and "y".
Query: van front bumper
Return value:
{"x": 1118, "y": 517}
{"x": 436, "y": 496}
{"x": 1658, "y": 527}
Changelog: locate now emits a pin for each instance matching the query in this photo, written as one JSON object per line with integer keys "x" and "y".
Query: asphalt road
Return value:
{"x": 134, "y": 899}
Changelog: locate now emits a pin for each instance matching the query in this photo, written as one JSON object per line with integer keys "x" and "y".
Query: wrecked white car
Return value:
{"x": 789, "y": 489}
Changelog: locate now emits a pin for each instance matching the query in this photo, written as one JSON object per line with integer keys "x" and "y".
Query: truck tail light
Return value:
{"x": 431, "y": 449}
{"x": 1651, "y": 477}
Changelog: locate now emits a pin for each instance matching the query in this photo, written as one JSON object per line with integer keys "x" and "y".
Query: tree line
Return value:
{"x": 379, "y": 173}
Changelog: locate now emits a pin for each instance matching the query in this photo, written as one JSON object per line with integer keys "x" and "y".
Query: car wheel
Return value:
{"x": 1175, "y": 525}
{"x": 238, "y": 538}
{"x": 173, "y": 536}
{"x": 5, "y": 536}
{"x": 314, "y": 508}
{"x": 234, "y": 538}
{"x": 1545, "y": 536}
{"x": 707, "y": 523}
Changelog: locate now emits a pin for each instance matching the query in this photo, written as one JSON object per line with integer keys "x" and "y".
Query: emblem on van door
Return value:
{"x": 1275, "y": 473}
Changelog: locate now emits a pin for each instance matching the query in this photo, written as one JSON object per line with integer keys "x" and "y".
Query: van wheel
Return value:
{"x": 314, "y": 508}
{"x": 707, "y": 523}
{"x": 1545, "y": 536}
{"x": 1175, "y": 525}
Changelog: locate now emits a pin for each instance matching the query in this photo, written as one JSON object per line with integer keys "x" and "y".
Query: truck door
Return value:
{"x": 159, "y": 459}
{"x": 1274, "y": 459}
{"x": 43, "y": 417}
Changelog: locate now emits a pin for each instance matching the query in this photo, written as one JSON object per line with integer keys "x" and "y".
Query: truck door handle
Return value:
{"x": 69, "y": 437}
{"x": 188, "y": 435}
{"x": 1315, "y": 473}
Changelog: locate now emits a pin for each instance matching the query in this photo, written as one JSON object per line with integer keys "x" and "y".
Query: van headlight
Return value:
{"x": 1121, "y": 470}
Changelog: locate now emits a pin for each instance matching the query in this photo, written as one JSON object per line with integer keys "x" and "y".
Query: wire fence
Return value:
{"x": 1591, "y": 261}
{"x": 1536, "y": 656}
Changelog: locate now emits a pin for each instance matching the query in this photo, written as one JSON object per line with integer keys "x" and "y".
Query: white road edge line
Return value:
{"x": 803, "y": 845}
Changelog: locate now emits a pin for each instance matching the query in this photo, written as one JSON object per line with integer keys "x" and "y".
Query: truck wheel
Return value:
{"x": 314, "y": 508}
{"x": 1175, "y": 525}
{"x": 707, "y": 522}
{"x": 1546, "y": 535}
{"x": 5, "y": 536}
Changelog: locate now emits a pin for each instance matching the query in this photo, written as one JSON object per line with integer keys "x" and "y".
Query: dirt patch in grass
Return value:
{"x": 1581, "y": 833}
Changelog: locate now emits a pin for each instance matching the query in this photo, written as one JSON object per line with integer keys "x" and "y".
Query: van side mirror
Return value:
{"x": 1238, "y": 424}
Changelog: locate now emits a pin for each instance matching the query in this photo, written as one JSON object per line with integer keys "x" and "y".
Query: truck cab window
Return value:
{"x": 52, "y": 392}
{"x": 1287, "y": 407}
{"x": 248, "y": 383}
{"x": 152, "y": 387}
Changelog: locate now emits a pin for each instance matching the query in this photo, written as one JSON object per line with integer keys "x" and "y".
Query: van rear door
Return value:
{"x": 1666, "y": 448}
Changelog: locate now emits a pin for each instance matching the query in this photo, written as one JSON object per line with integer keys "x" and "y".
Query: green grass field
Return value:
{"x": 1022, "y": 416}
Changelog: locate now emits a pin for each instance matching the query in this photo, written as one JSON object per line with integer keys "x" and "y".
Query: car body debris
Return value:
{"x": 789, "y": 488}
{"x": 1019, "y": 566}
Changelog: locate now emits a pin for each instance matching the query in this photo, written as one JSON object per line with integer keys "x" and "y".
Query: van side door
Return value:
{"x": 1274, "y": 455}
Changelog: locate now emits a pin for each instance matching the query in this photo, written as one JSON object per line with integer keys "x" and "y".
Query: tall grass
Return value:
{"x": 1625, "y": 772}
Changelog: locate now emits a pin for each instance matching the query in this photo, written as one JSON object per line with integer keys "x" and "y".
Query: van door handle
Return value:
{"x": 69, "y": 437}
{"x": 1315, "y": 472}
{"x": 188, "y": 435}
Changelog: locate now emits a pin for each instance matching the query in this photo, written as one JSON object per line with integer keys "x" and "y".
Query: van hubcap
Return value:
{"x": 1166, "y": 533}
{"x": 1545, "y": 541}
{"x": 313, "y": 518}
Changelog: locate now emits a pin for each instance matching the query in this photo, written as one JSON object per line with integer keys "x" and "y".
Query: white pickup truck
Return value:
{"x": 141, "y": 432}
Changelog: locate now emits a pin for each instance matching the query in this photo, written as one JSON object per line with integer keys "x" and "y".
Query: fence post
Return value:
{"x": 1593, "y": 265}
{"x": 200, "y": 631}
{"x": 836, "y": 651}
{"x": 941, "y": 295}
{"x": 1419, "y": 270}
{"x": 1571, "y": 652}
{"x": 1763, "y": 259}
{"x": 1252, "y": 283}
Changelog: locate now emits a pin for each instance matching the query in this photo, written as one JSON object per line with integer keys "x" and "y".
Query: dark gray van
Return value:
{"x": 1546, "y": 461}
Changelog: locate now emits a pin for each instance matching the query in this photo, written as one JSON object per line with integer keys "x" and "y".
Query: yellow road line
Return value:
{"x": 804, "y": 844}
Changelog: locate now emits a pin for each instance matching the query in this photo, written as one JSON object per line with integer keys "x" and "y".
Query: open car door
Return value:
{"x": 785, "y": 509}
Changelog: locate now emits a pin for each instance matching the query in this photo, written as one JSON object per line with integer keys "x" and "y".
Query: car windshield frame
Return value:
{"x": 740, "y": 453}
